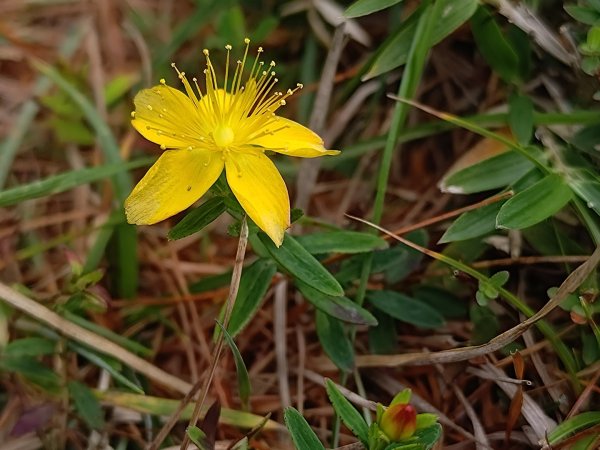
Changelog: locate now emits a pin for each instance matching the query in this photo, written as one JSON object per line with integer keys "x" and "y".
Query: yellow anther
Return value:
{"x": 246, "y": 41}
{"x": 228, "y": 47}
{"x": 133, "y": 114}
{"x": 162, "y": 81}
{"x": 205, "y": 51}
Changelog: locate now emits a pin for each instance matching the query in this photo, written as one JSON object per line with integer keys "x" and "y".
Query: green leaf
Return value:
{"x": 348, "y": 413}
{"x": 492, "y": 44}
{"x": 211, "y": 283}
{"x": 587, "y": 16}
{"x": 32, "y": 370}
{"x": 254, "y": 283}
{"x": 383, "y": 336}
{"x": 492, "y": 173}
{"x": 335, "y": 341}
{"x": 341, "y": 308}
{"x": 589, "y": 191}
{"x": 303, "y": 436}
{"x": 485, "y": 324}
{"x": 198, "y": 218}
{"x": 197, "y": 436}
{"x": 573, "y": 425}
{"x": 406, "y": 309}
{"x": 365, "y": 7}
{"x": 86, "y": 404}
{"x": 294, "y": 259}
{"x": 32, "y": 346}
{"x": 341, "y": 242}
{"x": 394, "y": 51}
{"x": 520, "y": 118}
{"x": 534, "y": 204}
{"x": 65, "y": 181}
{"x": 427, "y": 437}
{"x": 444, "y": 302}
{"x": 472, "y": 224}
{"x": 240, "y": 368}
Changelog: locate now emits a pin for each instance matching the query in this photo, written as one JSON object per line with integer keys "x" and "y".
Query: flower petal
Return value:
{"x": 167, "y": 116}
{"x": 292, "y": 139}
{"x": 173, "y": 183}
{"x": 261, "y": 191}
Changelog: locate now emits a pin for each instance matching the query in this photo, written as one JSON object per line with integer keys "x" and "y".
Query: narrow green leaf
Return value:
{"x": 197, "y": 436}
{"x": 573, "y": 425}
{"x": 198, "y": 218}
{"x": 303, "y": 436}
{"x": 240, "y": 367}
{"x": 589, "y": 191}
{"x": 294, "y": 259}
{"x": 158, "y": 406}
{"x": 406, "y": 309}
{"x": 341, "y": 242}
{"x": 348, "y": 413}
{"x": 32, "y": 346}
{"x": 335, "y": 341}
{"x": 86, "y": 404}
{"x": 492, "y": 44}
{"x": 32, "y": 370}
{"x": 520, "y": 118}
{"x": 534, "y": 204}
{"x": 65, "y": 181}
{"x": 211, "y": 283}
{"x": 365, "y": 7}
{"x": 472, "y": 224}
{"x": 255, "y": 281}
{"x": 492, "y": 173}
{"x": 341, "y": 308}
{"x": 395, "y": 50}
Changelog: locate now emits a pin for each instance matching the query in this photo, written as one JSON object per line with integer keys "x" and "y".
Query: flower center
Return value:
{"x": 223, "y": 136}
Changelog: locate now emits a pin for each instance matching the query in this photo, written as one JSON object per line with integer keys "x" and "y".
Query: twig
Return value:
{"x": 98, "y": 343}
{"x": 309, "y": 170}
{"x": 233, "y": 291}
{"x": 572, "y": 282}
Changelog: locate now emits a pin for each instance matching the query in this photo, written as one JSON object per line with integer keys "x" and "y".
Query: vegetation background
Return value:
{"x": 104, "y": 326}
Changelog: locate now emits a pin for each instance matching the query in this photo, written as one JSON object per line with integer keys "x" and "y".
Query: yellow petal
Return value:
{"x": 292, "y": 139}
{"x": 261, "y": 191}
{"x": 173, "y": 183}
{"x": 167, "y": 116}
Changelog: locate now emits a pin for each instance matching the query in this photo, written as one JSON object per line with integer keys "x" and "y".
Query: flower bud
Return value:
{"x": 399, "y": 421}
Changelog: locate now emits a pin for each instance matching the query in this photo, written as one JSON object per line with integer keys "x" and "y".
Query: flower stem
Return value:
{"x": 233, "y": 291}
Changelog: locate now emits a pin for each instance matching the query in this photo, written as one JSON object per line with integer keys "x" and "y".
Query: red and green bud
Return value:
{"x": 398, "y": 421}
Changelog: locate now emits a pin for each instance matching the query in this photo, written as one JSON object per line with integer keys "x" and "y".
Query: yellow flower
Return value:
{"x": 225, "y": 127}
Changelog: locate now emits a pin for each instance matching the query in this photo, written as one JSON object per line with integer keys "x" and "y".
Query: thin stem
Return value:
{"x": 233, "y": 291}
{"x": 230, "y": 302}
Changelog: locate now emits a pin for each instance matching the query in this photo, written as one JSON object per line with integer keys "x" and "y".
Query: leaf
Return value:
{"x": 520, "y": 118}
{"x": 394, "y": 51}
{"x": 335, "y": 341}
{"x": 365, "y": 7}
{"x": 240, "y": 368}
{"x": 472, "y": 224}
{"x": 427, "y": 437}
{"x": 534, "y": 204}
{"x": 65, "y": 181}
{"x": 341, "y": 242}
{"x": 86, "y": 404}
{"x": 573, "y": 425}
{"x": 406, "y": 309}
{"x": 32, "y": 346}
{"x": 211, "y": 283}
{"x": 589, "y": 191}
{"x": 158, "y": 406}
{"x": 341, "y": 308}
{"x": 492, "y": 44}
{"x": 303, "y": 436}
{"x": 485, "y": 324}
{"x": 347, "y": 413}
{"x": 197, "y": 436}
{"x": 32, "y": 370}
{"x": 254, "y": 283}
{"x": 198, "y": 218}
{"x": 493, "y": 173}
{"x": 295, "y": 260}
{"x": 383, "y": 336}
{"x": 444, "y": 302}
